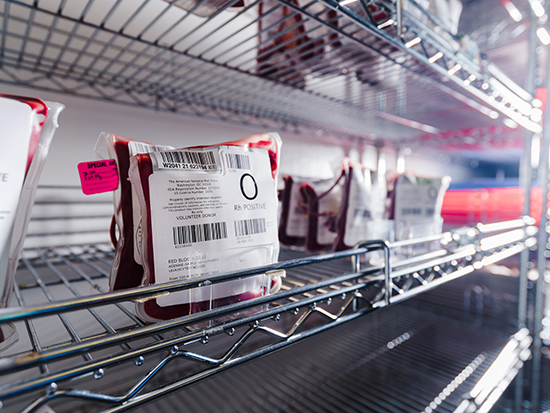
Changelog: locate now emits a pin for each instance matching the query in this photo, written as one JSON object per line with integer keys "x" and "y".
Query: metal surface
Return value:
{"x": 78, "y": 341}
{"x": 498, "y": 377}
{"x": 345, "y": 369}
{"x": 156, "y": 55}
{"x": 399, "y": 17}
{"x": 526, "y": 182}
{"x": 541, "y": 260}
{"x": 385, "y": 246}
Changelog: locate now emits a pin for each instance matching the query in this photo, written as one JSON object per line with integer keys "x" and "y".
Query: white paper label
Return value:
{"x": 365, "y": 205}
{"x": 213, "y": 210}
{"x": 416, "y": 198}
{"x": 297, "y": 219}
{"x": 135, "y": 148}
{"x": 418, "y": 204}
{"x": 16, "y": 123}
{"x": 199, "y": 160}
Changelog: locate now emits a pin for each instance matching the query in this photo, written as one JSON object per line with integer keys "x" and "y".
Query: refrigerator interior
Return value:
{"x": 463, "y": 328}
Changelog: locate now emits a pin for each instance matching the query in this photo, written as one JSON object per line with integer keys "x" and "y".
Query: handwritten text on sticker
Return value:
{"x": 98, "y": 176}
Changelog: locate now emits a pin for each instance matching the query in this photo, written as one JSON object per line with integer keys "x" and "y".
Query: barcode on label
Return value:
{"x": 362, "y": 213}
{"x": 250, "y": 227}
{"x": 190, "y": 234}
{"x": 205, "y": 159}
{"x": 411, "y": 211}
{"x": 236, "y": 161}
{"x": 138, "y": 147}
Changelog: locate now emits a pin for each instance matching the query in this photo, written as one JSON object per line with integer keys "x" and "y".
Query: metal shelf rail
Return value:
{"x": 76, "y": 334}
{"x": 356, "y": 73}
{"x": 345, "y": 369}
{"x": 498, "y": 377}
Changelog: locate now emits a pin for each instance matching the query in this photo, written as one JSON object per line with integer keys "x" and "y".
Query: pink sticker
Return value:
{"x": 98, "y": 176}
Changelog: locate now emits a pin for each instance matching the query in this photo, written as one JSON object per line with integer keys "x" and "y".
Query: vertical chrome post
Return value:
{"x": 526, "y": 182}
{"x": 387, "y": 271}
{"x": 399, "y": 16}
{"x": 541, "y": 257}
{"x": 526, "y": 172}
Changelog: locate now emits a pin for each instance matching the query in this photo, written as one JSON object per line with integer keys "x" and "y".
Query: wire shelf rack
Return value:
{"x": 345, "y": 369}
{"x": 361, "y": 70}
{"x": 72, "y": 333}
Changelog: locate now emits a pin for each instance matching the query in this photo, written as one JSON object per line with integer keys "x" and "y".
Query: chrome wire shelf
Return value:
{"x": 345, "y": 369}
{"x": 346, "y": 70}
{"x": 77, "y": 332}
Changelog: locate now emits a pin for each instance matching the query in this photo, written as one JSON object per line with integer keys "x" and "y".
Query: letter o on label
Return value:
{"x": 249, "y": 189}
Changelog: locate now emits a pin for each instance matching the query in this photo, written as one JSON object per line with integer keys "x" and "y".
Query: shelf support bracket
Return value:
{"x": 372, "y": 246}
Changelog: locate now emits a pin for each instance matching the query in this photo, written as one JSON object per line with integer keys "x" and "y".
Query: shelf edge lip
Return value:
{"x": 75, "y": 349}
{"x": 19, "y": 313}
{"x": 371, "y": 276}
{"x": 13, "y": 364}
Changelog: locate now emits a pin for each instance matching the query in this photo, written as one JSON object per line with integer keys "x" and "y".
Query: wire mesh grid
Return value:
{"x": 299, "y": 63}
{"x": 60, "y": 352}
{"x": 347, "y": 375}
{"x": 70, "y": 272}
{"x": 379, "y": 363}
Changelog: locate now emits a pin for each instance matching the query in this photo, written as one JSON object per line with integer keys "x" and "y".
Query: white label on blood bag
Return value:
{"x": 211, "y": 212}
{"x": 16, "y": 124}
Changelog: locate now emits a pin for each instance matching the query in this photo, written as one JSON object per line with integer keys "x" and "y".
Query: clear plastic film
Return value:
{"x": 41, "y": 135}
{"x": 126, "y": 270}
{"x": 206, "y": 211}
{"x": 362, "y": 210}
{"x": 26, "y": 197}
{"x": 415, "y": 207}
